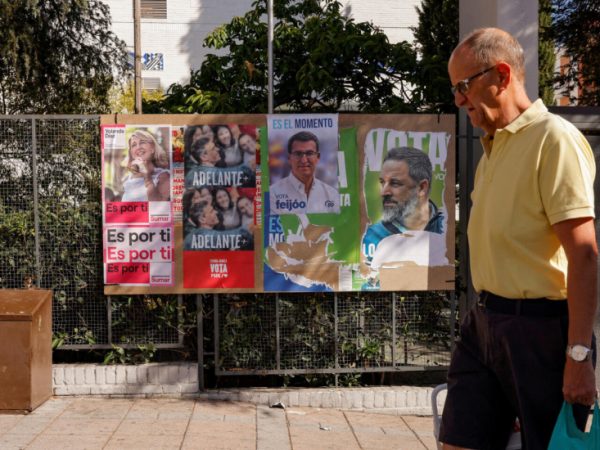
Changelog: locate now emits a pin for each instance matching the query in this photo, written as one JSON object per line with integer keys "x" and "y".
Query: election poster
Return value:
{"x": 137, "y": 204}
{"x": 408, "y": 188}
{"x": 319, "y": 251}
{"x": 303, "y": 153}
{"x": 219, "y": 206}
{"x": 138, "y": 255}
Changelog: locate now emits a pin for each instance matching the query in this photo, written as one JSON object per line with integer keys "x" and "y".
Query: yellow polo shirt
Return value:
{"x": 537, "y": 171}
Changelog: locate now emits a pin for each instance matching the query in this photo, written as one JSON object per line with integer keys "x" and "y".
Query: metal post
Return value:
{"x": 393, "y": 329}
{"x": 452, "y": 320}
{"x": 217, "y": 331}
{"x": 36, "y": 205}
{"x": 109, "y": 320}
{"x": 137, "y": 42}
{"x": 270, "y": 33}
{"x": 278, "y": 347}
{"x": 335, "y": 335}
{"x": 200, "y": 340}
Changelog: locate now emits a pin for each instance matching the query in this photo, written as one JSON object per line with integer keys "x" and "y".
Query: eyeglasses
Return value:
{"x": 463, "y": 85}
{"x": 309, "y": 154}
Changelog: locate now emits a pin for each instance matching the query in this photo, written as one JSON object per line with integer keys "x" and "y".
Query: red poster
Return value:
{"x": 218, "y": 269}
{"x": 219, "y": 206}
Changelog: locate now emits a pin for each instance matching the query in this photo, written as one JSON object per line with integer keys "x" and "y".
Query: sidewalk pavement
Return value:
{"x": 192, "y": 423}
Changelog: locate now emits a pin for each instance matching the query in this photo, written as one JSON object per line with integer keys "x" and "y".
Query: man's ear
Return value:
{"x": 504, "y": 74}
{"x": 423, "y": 188}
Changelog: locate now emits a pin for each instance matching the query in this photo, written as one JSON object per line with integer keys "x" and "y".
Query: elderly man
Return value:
{"x": 301, "y": 191}
{"x": 405, "y": 181}
{"x": 528, "y": 343}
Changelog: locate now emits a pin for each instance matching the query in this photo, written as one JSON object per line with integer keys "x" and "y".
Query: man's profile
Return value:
{"x": 528, "y": 344}
{"x": 405, "y": 184}
{"x": 301, "y": 191}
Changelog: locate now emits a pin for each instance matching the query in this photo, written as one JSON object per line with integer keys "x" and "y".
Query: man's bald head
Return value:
{"x": 488, "y": 46}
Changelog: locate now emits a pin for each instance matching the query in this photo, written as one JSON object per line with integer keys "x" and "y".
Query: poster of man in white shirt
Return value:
{"x": 303, "y": 164}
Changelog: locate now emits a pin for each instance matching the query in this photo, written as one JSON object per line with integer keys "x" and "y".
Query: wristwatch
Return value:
{"x": 578, "y": 352}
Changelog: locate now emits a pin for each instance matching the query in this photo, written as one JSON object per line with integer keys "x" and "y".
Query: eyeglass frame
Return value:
{"x": 465, "y": 82}
{"x": 308, "y": 154}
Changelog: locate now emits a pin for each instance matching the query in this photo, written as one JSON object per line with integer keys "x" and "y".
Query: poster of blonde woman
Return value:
{"x": 137, "y": 174}
{"x": 137, "y": 207}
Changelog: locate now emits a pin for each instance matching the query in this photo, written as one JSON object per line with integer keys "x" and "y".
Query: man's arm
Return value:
{"x": 578, "y": 238}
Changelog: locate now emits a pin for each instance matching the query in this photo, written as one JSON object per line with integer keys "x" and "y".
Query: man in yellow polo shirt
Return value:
{"x": 529, "y": 342}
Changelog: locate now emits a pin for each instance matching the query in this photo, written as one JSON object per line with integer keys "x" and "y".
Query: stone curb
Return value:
{"x": 181, "y": 379}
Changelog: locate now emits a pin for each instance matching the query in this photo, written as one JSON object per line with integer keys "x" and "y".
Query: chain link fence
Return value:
{"x": 51, "y": 233}
{"x": 333, "y": 333}
{"x": 51, "y": 237}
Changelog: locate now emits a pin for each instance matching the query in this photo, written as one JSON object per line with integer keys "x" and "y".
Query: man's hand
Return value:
{"x": 578, "y": 238}
{"x": 579, "y": 383}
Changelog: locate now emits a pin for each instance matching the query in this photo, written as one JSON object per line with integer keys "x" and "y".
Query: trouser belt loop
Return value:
{"x": 518, "y": 307}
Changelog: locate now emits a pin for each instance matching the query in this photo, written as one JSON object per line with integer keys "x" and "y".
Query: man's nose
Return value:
{"x": 385, "y": 189}
{"x": 459, "y": 99}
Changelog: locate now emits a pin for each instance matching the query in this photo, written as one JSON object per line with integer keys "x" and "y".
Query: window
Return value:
{"x": 150, "y": 84}
{"x": 154, "y": 9}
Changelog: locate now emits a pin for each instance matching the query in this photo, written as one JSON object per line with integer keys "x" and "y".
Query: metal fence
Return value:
{"x": 51, "y": 237}
{"x": 51, "y": 232}
{"x": 333, "y": 333}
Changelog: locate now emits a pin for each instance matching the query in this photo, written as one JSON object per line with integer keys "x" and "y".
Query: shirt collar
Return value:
{"x": 531, "y": 114}
{"x": 299, "y": 185}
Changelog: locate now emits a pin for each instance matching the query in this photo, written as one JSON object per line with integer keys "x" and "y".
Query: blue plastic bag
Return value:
{"x": 566, "y": 435}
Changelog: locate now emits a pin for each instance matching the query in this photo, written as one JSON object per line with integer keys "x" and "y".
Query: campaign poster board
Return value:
{"x": 327, "y": 248}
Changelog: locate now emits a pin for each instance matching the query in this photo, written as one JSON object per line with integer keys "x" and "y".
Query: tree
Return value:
{"x": 57, "y": 56}
{"x": 323, "y": 61}
{"x": 577, "y": 29}
{"x": 546, "y": 52}
{"x": 436, "y": 35}
{"x": 122, "y": 98}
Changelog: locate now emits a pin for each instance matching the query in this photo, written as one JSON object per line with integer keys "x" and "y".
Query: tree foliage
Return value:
{"x": 436, "y": 35}
{"x": 323, "y": 61}
{"x": 577, "y": 29}
{"x": 546, "y": 53}
{"x": 57, "y": 56}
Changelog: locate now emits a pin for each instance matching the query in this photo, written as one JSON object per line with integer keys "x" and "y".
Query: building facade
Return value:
{"x": 173, "y": 31}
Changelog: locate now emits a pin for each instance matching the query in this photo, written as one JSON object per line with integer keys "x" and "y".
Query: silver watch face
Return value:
{"x": 578, "y": 352}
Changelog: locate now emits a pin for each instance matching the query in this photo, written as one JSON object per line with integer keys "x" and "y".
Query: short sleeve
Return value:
{"x": 566, "y": 176}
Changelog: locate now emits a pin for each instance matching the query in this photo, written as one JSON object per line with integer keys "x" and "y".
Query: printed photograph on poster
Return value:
{"x": 316, "y": 252}
{"x": 404, "y": 175}
{"x": 218, "y": 218}
{"x": 303, "y": 163}
{"x": 219, "y": 205}
{"x": 220, "y": 155}
{"x": 137, "y": 174}
{"x": 138, "y": 255}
